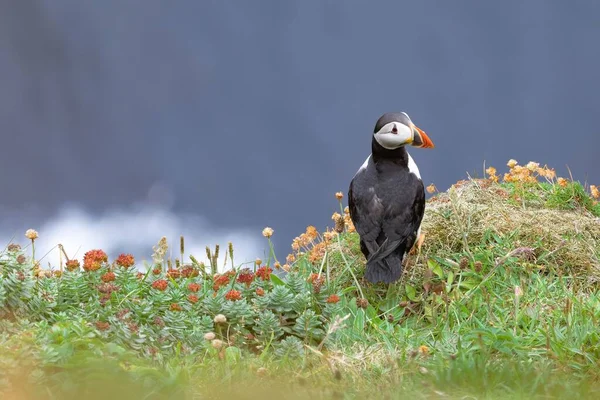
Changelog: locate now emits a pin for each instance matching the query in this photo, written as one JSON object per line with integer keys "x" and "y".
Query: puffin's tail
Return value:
{"x": 386, "y": 270}
{"x": 385, "y": 264}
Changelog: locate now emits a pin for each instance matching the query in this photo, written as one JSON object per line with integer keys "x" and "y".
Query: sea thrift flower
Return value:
{"x": 286, "y": 268}
{"x": 125, "y": 260}
{"x": 264, "y": 273}
{"x": 209, "y": 336}
{"x": 424, "y": 349}
{"x": 93, "y": 259}
{"x": 258, "y": 261}
{"x": 362, "y": 303}
{"x": 562, "y": 182}
{"x": 21, "y": 259}
{"x": 13, "y": 247}
{"x": 216, "y": 343}
{"x": 220, "y": 281}
{"x": 332, "y": 299}
{"x": 31, "y": 234}
{"x": 102, "y": 326}
{"x": 160, "y": 284}
{"x": 260, "y": 292}
{"x": 189, "y": 272}
{"x": 193, "y": 287}
{"x": 233, "y": 295}
{"x": 72, "y": 265}
{"x": 267, "y": 232}
{"x": 532, "y": 166}
{"x": 511, "y": 163}
{"x": 290, "y": 258}
{"x": 312, "y": 232}
{"x": 108, "y": 277}
{"x": 339, "y": 195}
{"x": 246, "y": 277}
{"x": 175, "y": 307}
{"x": 192, "y": 298}
{"x": 220, "y": 319}
{"x": 431, "y": 188}
{"x": 173, "y": 273}
{"x": 595, "y": 191}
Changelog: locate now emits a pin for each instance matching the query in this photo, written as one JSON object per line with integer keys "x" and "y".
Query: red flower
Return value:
{"x": 72, "y": 265}
{"x": 260, "y": 291}
{"x": 160, "y": 284}
{"x": 140, "y": 275}
{"x": 264, "y": 273}
{"x": 156, "y": 271}
{"x": 93, "y": 259}
{"x": 189, "y": 272}
{"x": 312, "y": 277}
{"x": 102, "y": 326}
{"x": 175, "y": 307}
{"x": 108, "y": 277}
{"x": 173, "y": 273}
{"x": 125, "y": 260}
{"x": 193, "y": 287}
{"x": 334, "y": 298}
{"x": 246, "y": 276}
{"x": 193, "y": 299}
{"x": 233, "y": 295}
{"x": 220, "y": 280}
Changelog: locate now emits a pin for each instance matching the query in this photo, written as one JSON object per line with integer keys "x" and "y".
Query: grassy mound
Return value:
{"x": 500, "y": 302}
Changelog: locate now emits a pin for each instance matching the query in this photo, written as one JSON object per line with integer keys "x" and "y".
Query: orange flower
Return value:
{"x": 260, "y": 292}
{"x": 332, "y": 299}
{"x": 264, "y": 273}
{"x": 160, "y": 284}
{"x": 246, "y": 277}
{"x": 312, "y": 232}
{"x": 233, "y": 295}
{"x": 93, "y": 259}
{"x": 189, "y": 272}
{"x": 72, "y": 265}
{"x": 102, "y": 326}
{"x": 108, "y": 277}
{"x": 595, "y": 191}
{"x": 339, "y": 195}
{"x": 511, "y": 163}
{"x": 173, "y": 273}
{"x": 193, "y": 287}
{"x": 193, "y": 298}
{"x": 431, "y": 188}
{"x": 125, "y": 260}
{"x": 562, "y": 182}
{"x": 175, "y": 307}
{"x": 220, "y": 281}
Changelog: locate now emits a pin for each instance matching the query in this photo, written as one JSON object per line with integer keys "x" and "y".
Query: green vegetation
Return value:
{"x": 501, "y": 301}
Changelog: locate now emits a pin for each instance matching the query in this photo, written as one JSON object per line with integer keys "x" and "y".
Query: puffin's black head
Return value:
{"x": 394, "y": 130}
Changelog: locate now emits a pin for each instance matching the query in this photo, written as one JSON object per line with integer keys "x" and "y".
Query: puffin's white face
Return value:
{"x": 394, "y": 135}
{"x": 400, "y": 131}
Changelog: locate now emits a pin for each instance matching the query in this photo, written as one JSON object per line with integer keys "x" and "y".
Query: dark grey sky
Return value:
{"x": 255, "y": 113}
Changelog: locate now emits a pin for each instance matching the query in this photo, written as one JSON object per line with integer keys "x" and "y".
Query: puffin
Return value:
{"x": 386, "y": 198}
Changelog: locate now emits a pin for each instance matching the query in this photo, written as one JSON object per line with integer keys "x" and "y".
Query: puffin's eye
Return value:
{"x": 394, "y": 129}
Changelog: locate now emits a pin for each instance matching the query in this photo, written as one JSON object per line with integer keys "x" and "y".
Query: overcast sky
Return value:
{"x": 217, "y": 118}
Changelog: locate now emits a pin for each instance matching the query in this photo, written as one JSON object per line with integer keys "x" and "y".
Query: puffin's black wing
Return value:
{"x": 365, "y": 211}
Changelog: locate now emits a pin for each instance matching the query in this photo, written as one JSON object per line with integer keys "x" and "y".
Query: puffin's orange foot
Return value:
{"x": 418, "y": 245}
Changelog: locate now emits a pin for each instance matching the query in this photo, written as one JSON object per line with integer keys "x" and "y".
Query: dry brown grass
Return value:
{"x": 458, "y": 220}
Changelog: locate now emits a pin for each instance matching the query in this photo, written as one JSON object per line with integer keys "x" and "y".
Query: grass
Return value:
{"x": 501, "y": 301}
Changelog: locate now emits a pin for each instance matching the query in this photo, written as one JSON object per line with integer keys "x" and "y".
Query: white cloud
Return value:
{"x": 135, "y": 231}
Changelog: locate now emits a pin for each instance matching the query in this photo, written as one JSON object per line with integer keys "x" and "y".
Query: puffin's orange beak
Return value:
{"x": 421, "y": 139}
